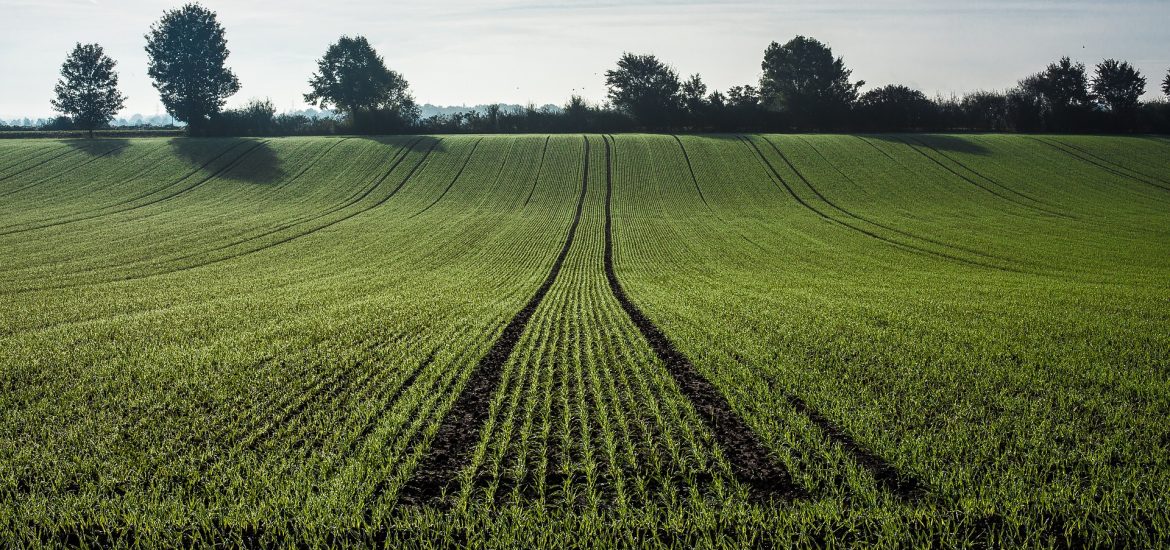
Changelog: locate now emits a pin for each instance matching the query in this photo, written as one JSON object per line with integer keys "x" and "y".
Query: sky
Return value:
{"x": 468, "y": 52}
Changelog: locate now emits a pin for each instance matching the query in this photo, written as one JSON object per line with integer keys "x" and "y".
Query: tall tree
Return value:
{"x": 803, "y": 79}
{"x": 353, "y": 79}
{"x": 1065, "y": 87}
{"x": 187, "y": 52}
{"x": 895, "y": 107}
{"x": 1166, "y": 84}
{"x": 1026, "y": 106}
{"x": 646, "y": 88}
{"x": 694, "y": 99}
{"x": 1118, "y": 85}
{"x": 88, "y": 89}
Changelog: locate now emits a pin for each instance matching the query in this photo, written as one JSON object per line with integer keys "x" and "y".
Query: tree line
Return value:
{"x": 803, "y": 87}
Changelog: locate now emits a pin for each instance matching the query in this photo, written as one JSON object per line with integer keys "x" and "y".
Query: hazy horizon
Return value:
{"x": 466, "y": 53}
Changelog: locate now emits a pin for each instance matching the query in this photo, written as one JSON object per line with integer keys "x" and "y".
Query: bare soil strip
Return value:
{"x": 290, "y": 238}
{"x": 151, "y": 202}
{"x": 871, "y": 221}
{"x": 453, "y": 180}
{"x": 539, "y": 169}
{"x": 73, "y": 168}
{"x": 457, "y": 435}
{"x": 751, "y": 462}
{"x": 779, "y": 181}
{"x": 884, "y": 473}
{"x": 691, "y": 169}
{"x": 1082, "y": 156}
{"x": 952, "y": 171}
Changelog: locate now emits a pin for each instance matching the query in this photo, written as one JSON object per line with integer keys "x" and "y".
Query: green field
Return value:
{"x": 698, "y": 341}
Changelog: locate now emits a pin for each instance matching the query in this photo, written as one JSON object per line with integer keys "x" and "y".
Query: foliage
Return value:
{"x": 352, "y": 78}
{"x": 804, "y": 80}
{"x": 1118, "y": 86}
{"x": 896, "y": 107}
{"x": 188, "y": 51}
{"x": 646, "y": 88}
{"x": 88, "y": 89}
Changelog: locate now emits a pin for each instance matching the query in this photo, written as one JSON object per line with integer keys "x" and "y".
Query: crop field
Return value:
{"x": 518, "y": 341}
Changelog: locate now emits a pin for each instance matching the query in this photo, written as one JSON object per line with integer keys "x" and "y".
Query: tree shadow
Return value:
{"x": 938, "y": 142}
{"x": 98, "y": 147}
{"x": 241, "y": 159}
{"x": 421, "y": 142}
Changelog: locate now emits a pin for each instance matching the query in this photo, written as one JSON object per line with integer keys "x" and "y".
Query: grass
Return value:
{"x": 939, "y": 340}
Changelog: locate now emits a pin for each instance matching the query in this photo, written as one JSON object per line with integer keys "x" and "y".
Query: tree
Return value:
{"x": 1166, "y": 84}
{"x": 984, "y": 110}
{"x": 694, "y": 101}
{"x": 646, "y": 88}
{"x": 1117, "y": 85}
{"x": 895, "y": 107}
{"x": 803, "y": 79}
{"x": 1026, "y": 106}
{"x": 1065, "y": 87}
{"x": 352, "y": 78}
{"x": 88, "y": 89}
{"x": 187, "y": 52}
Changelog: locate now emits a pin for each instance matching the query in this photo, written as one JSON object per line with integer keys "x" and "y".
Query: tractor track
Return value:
{"x": 451, "y": 447}
{"x": 536, "y": 180}
{"x": 751, "y": 462}
{"x": 777, "y": 179}
{"x": 466, "y": 161}
{"x": 129, "y": 201}
{"x": 259, "y": 249}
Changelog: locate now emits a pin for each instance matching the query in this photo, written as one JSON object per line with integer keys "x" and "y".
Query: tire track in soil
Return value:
{"x": 887, "y": 476}
{"x": 751, "y": 462}
{"x": 691, "y": 169}
{"x": 131, "y": 200}
{"x": 262, "y": 248}
{"x": 536, "y": 180}
{"x": 904, "y": 487}
{"x": 1157, "y": 181}
{"x": 776, "y": 178}
{"x": 312, "y": 163}
{"x": 1099, "y": 164}
{"x": 455, "y": 439}
{"x": 69, "y": 170}
{"x": 992, "y": 181}
{"x": 349, "y": 201}
{"x": 466, "y": 161}
{"x": 866, "y": 219}
{"x": 977, "y": 184}
{"x": 134, "y": 176}
{"x": 41, "y": 153}
{"x": 41, "y": 163}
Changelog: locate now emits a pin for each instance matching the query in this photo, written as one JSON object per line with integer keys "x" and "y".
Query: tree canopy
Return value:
{"x": 353, "y": 79}
{"x": 88, "y": 89}
{"x": 804, "y": 80}
{"x": 1166, "y": 84}
{"x": 1118, "y": 85}
{"x": 895, "y": 107}
{"x": 1065, "y": 87}
{"x": 646, "y": 88}
{"x": 188, "y": 52}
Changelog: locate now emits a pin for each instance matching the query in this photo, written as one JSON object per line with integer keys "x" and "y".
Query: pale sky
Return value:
{"x": 466, "y": 52}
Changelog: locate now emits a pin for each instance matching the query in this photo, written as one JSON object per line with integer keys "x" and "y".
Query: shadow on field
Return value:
{"x": 248, "y": 160}
{"x": 435, "y": 144}
{"x": 98, "y": 147}
{"x": 940, "y": 142}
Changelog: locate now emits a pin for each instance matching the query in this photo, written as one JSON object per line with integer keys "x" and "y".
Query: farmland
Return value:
{"x": 723, "y": 340}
